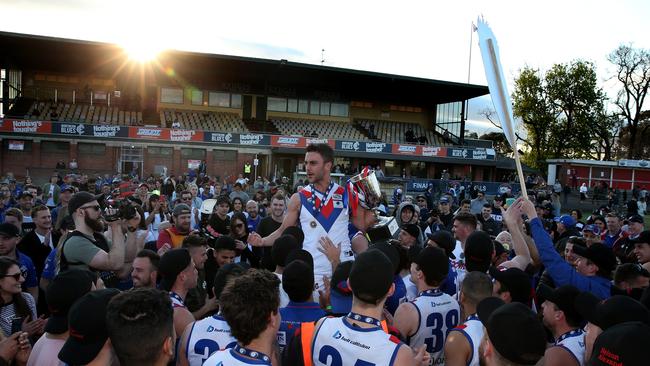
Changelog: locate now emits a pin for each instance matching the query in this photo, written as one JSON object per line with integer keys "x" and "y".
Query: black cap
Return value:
{"x": 445, "y": 240}
{"x": 624, "y": 344}
{"x": 371, "y": 276}
{"x": 79, "y": 199}
{"x": 171, "y": 264}
{"x": 609, "y": 312}
{"x": 181, "y": 209}
{"x": 25, "y": 194}
{"x": 67, "y": 189}
{"x": 643, "y": 238}
{"x": 88, "y": 331}
{"x": 598, "y": 253}
{"x": 412, "y": 230}
{"x": 513, "y": 329}
{"x": 9, "y": 230}
{"x": 636, "y": 218}
{"x": 478, "y": 251}
{"x": 61, "y": 294}
{"x": 434, "y": 263}
{"x": 564, "y": 298}
{"x": 517, "y": 282}
{"x": 498, "y": 248}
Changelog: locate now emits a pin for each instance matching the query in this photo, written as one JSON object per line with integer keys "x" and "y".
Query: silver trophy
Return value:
{"x": 365, "y": 190}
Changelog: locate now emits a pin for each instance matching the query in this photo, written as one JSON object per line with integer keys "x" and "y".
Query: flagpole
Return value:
{"x": 497, "y": 74}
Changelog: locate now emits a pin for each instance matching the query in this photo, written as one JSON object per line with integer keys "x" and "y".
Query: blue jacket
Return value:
{"x": 560, "y": 271}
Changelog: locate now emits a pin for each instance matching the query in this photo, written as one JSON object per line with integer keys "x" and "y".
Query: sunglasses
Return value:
{"x": 186, "y": 198}
{"x": 239, "y": 226}
{"x": 95, "y": 207}
{"x": 16, "y": 276}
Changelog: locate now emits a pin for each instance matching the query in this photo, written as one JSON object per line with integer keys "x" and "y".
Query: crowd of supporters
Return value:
{"x": 117, "y": 270}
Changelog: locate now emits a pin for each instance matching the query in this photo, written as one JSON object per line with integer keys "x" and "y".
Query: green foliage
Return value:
{"x": 562, "y": 111}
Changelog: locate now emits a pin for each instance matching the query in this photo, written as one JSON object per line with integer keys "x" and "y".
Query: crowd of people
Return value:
{"x": 191, "y": 270}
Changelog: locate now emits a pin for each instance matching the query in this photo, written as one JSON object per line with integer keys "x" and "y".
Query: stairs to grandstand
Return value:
{"x": 20, "y": 108}
{"x": 255, "y": 125}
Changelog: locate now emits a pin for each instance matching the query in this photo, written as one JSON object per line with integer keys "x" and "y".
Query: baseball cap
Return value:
{"x": 371, "y": 276}
{"x": 88, "y": 331}
{"x": 517, "y": 282}
{"x": 443, "y": 199}
{"x": 644, "y": 237}
{"x": 25, "y": 194}
{"x": 498, "y": 197}
{"x": 143, "y": 184}
{"x": 592, "y": 228}
{"x": 498, "y": 248}
{"x": 624, "y": 344}
{"x": 171, "y": 264}
{"x": 412, "y": 230}
{"x": 341, "y": 294}
{"x": 181, "y": 209}
{"x": 9, "y": 230}
{"x": 566, "y": 220}
{"x": 67, "y": 188}
{"x": 635, "y": 218}
{"x": 598, "y": 253}
{"x": 434, "y": 263}
{"x": 478, "y": 251}
{"x": 61, "y": 294}
{"x": 81, "y": 198}
{"x": 563, "y": 297}
{"x": 609, "y": 312}
{"x": 445, "y": 240}
{"x": 513, "y": 329}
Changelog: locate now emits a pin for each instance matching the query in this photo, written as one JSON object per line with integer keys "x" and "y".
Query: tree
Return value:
{"x": 633, "y": 72}
{"x": 562, "y": 112}
{"x": 501, "y": 145}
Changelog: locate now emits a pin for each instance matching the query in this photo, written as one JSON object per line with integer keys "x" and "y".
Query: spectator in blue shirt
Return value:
{"x": 593, "y": 266}
{"x": 298, "y": 283}
{"x": 9, "y": 238}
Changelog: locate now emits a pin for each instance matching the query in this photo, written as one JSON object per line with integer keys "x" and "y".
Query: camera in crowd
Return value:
{"x": 115, "y": 209}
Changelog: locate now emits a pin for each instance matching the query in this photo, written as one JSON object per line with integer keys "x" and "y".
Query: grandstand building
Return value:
{"x": 67, "y": 99}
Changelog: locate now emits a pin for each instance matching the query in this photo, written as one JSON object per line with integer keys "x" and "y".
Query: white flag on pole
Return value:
{"x": 496, "y": 81}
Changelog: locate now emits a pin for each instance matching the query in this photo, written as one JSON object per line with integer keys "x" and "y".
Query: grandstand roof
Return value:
{"x": 254, "y": 75}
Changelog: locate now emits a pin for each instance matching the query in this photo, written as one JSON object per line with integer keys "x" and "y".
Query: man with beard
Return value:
{"x": 269, "y": 224}
{"x": 198, "y": 301}
{"x": 562, "y": 319}
{"x": 25, "y": 204}
{"x": 86, "y": 247}
{"x": 323, "y": 210}
{"x": 174, "y": 236}
{"x": 145, "y": 269}
{"x": 254, "y": 218}
{"x": 61, "y": 210}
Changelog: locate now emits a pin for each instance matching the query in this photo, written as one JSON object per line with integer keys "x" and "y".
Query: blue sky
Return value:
{"x": 429, "y": 39}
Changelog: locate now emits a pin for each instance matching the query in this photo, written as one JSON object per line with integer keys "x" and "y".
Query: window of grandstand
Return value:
{"x": 197, "y": 97}
{"x": 160, "y": 151}
{"x": 193, "y": 153}
{"x": 227, "y": 100}
{"x": 307, "y": 107}
{"x": 93, "y": 149}
{"x": 277, "y": 104}
{"x": 225, "y": 155}
{"x": 171, "y": 95}
{"x": 324, "y": 108}
{"x": 418, "y": 169}
{"x": 392, "y": 168}
{"x": 314, "y": 107}
{"x": 55, "y": 147}
{"x": 235, "y": 100}
{"x": 17, "y": 145}
{"x": 303, "y": 106}
{"x": 448, "y": 118}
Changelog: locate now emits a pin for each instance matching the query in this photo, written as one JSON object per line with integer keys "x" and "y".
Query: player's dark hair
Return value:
{"x": 324, "y": 150}
{"x": 139, "y": 321}
{"x": 467, "y": 219}
{"x": 248, "y": 301}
